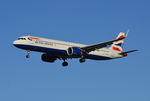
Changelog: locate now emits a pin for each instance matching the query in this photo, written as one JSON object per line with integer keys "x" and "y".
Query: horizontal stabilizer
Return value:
{"x": 128, "y": 52}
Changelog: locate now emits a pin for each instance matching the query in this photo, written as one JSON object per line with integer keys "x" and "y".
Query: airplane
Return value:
{"x": 54, "y": 49}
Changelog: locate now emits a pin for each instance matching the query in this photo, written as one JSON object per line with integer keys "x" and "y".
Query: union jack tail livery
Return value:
{"x": 117, "y": 45}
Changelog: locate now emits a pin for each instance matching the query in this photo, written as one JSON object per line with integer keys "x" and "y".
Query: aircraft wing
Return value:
{"x": 94, "y": 47}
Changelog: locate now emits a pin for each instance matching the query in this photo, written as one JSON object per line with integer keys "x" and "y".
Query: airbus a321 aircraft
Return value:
{"x": 54, "y": 49}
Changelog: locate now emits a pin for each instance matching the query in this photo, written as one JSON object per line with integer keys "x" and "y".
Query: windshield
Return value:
{"x": 21, "y": 38}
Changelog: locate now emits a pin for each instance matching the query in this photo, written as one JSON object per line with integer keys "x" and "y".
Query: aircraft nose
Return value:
{"x": 15, "y": 43}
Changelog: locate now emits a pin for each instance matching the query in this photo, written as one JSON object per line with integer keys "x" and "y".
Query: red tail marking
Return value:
{"x": 117, "y": 49}
{"x": 122, "y": 36}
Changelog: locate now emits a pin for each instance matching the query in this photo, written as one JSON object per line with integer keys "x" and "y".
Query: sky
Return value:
{"x": 80, "y": 21}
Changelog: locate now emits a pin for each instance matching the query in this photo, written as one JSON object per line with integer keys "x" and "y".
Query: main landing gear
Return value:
{"x": 82, "y": 60}
{"x": 28, "y": 54}
{"x": 64, "y": 64}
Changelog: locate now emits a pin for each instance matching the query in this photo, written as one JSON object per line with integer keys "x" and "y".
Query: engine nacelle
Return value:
{"x": 48, "y": 58}
{"x": 74, "y": 51}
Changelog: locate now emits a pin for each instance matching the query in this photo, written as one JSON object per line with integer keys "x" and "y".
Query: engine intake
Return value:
{"x": 48, "y": 58}
{"x": 74, "y": 51}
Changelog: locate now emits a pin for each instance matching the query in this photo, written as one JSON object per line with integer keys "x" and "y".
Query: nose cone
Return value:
{"x": 16, "y": 43}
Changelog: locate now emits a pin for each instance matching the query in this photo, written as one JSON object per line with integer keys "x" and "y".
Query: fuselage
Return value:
{"x": 59, "y": 48}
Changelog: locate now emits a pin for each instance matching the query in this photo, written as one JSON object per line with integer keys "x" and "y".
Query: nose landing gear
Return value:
{"x": 28, "y": 54}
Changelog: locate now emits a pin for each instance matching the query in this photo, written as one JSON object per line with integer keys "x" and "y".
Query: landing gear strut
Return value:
{"x": 82, "y": 59}
{"x": 28, "y": 54}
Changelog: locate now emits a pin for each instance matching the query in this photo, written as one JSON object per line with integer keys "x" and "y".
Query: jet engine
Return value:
{"x": 74, "y": 51}
{"x": 48, "y": 58}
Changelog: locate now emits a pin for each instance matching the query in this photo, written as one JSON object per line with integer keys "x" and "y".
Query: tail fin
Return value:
{"x": 117, "y": 45}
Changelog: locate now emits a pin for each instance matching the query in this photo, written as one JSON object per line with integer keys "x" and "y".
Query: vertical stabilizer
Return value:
{"x": 117, "y": 45}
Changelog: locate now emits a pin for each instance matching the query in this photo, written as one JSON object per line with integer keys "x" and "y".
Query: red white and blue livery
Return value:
{"x": 54, "y": 49}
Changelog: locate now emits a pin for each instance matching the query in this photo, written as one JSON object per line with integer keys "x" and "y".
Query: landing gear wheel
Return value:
{"x": 27, "y": 56}
{"x": 82, "y": 60}
{"x": 65, "y": 64}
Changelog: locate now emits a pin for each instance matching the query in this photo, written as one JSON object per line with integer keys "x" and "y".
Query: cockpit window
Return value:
{"x": 21, "y": 38}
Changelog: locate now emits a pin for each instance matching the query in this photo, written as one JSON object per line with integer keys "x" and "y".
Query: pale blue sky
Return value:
{"x": 81, "y": 21}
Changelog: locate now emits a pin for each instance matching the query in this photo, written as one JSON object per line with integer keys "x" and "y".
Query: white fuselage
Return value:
{"x": 59, "y": 48}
